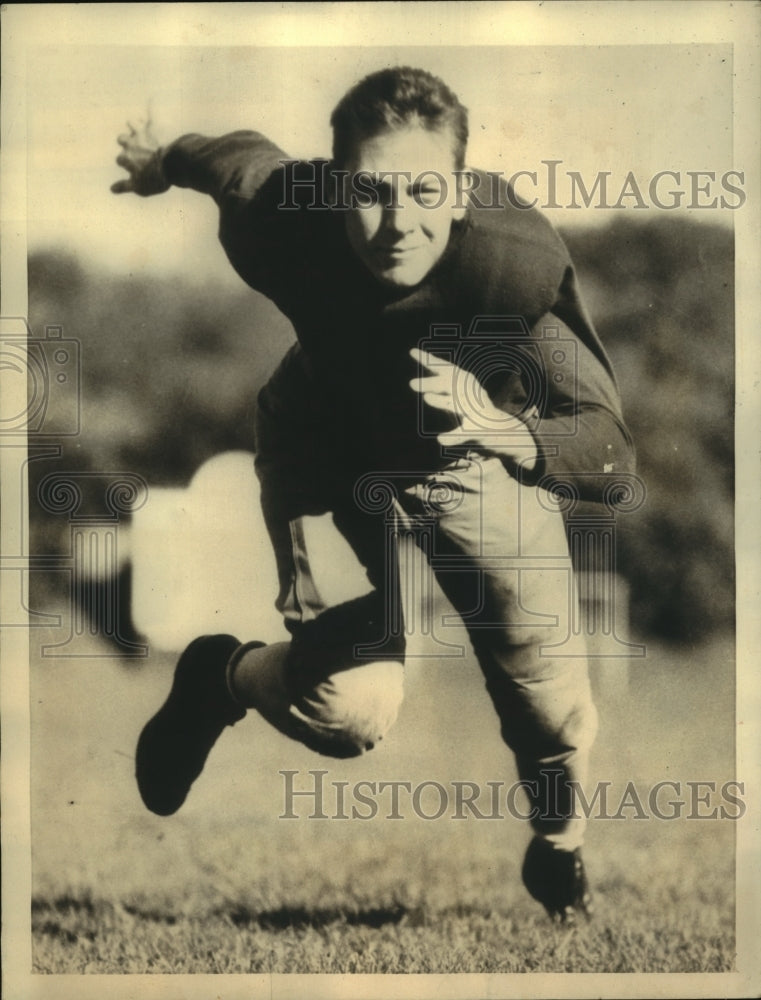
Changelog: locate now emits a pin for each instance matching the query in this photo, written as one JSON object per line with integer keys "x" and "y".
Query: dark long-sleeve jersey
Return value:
{"x": 501, "y": 302}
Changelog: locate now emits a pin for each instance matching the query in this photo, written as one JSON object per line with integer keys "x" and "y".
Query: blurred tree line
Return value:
{"x": 171, "y": 368}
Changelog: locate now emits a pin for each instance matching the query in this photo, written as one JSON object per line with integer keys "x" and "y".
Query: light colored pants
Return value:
{"x": 499, "y": 553}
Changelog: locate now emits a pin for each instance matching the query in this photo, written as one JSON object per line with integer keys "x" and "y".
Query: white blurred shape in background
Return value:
{"x": 203, "y": 562}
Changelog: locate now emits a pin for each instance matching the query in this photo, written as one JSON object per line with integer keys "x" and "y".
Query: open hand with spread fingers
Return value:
{"x": 483, "y": 425}
{"x": 141, "y": 158}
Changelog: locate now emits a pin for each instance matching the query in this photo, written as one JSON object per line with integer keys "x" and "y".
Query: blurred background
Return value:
{"x": 171, "y": 369}
{"x": 172, "y": 347}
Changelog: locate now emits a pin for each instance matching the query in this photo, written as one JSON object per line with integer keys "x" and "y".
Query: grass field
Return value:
{"x": 226, "y": 886}
{"x": 420, "y": 902}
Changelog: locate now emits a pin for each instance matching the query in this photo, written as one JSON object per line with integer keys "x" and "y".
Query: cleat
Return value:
{"x": 557, "y": 880}
{"x": 174, "y": 745}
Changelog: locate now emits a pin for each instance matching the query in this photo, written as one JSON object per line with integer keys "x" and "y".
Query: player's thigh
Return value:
{"x": 299, "y": 442}
{"x": 503, "y": 554}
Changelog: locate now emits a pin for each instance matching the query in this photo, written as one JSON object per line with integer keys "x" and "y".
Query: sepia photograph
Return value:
{"x": 380, "y": 542}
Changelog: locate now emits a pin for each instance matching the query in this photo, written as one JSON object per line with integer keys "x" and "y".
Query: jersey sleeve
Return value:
{"x": 243, "y": 172}
{"x": 577, "y": 422}
{"x": 233, "y": 167}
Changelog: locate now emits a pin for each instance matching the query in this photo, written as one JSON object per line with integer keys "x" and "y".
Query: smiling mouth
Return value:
{"x": 395, "y": 252}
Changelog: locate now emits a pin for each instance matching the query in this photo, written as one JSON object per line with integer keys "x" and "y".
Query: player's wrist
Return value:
{"x": 523, "y": 455}
{"x": 516, "y": 444}
{"x": 154, "y": 179}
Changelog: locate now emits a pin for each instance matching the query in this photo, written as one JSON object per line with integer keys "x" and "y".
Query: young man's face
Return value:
{"x": 407, "y": 192}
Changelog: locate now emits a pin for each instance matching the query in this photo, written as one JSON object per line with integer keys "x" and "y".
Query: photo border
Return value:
{"x": 28, "y": 25}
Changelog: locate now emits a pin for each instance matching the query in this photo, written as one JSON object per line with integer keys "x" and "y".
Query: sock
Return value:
{"x": 256, "y": 677}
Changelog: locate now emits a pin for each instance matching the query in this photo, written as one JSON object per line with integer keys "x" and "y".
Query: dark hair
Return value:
{"x": 391, "y": 99}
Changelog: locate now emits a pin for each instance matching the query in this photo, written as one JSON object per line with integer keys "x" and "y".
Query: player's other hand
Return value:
{"x": 140, "y": 158}
{"x": 482, "y": 425}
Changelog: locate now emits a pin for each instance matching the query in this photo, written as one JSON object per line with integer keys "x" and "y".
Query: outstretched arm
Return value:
{"x": 234, "y": 170}
{"x": 231, "y": 168}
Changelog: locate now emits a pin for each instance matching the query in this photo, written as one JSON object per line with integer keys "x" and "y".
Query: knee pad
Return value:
{"x": 348, "y": 712}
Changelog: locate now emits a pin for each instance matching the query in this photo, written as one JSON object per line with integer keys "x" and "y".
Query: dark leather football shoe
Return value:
{"x": 557, "y": 880}
{"x": 174, "y": 745}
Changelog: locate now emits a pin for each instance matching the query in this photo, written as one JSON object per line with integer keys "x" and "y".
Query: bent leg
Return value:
{"x": 317, "y": 688}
